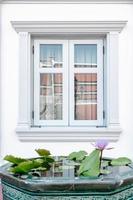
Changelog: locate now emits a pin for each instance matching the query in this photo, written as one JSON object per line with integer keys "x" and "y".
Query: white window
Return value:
{"x": 68, "y": 83}
{"x": 50, "y": 83}
{"x": 71, "y": 83}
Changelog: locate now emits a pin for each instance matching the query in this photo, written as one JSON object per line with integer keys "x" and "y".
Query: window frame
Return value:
{"x": 110, "y": 30}
{"x": 68, "y": 72}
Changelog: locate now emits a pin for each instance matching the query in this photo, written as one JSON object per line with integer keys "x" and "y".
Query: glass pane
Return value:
{"x": 51, "y": 96}
{"x": 50, "y": 55}
{"x": 85, "y": 96}
{"x": 85, "y": 55}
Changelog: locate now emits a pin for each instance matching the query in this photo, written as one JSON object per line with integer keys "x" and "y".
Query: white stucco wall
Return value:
{"x": 10, "y": 143}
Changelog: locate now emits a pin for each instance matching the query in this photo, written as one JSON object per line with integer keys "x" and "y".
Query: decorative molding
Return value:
{"x": 26, "y": 30}
{"x": 15, "y": 193}
{"x": 66, "y": 1}
{"x": 24, "y": 79}
{"x": 112, "y": 75}
{"x": 68, "y": 134}
{"x": 68, "y": 27}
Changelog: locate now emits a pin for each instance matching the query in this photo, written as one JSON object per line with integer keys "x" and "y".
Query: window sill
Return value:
{"x": 68, "y": 134}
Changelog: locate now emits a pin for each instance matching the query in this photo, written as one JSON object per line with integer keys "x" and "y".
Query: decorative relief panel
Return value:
{"x": 14, "y": 194}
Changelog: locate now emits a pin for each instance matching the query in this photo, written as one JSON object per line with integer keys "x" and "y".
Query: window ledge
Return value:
{"x": 68, "y": 134}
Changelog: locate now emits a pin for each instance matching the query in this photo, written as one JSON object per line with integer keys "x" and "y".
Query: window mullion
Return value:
{"x": 100, "y": 83}
{"x": 65, "y": 82}
{"x": 71, "y": 82}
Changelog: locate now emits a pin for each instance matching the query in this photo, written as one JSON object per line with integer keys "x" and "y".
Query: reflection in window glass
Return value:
{"x": 85, "y": 55}
{"x": 85, "y": 96}
{"x": 50, "y": 55}
{"x": 51, "y": 96}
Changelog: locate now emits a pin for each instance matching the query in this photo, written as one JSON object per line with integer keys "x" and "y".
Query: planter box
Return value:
{"x": 65, "y": 185}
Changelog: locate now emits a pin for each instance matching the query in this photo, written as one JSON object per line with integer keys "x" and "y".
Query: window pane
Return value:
{"x": 85, "y": 55}
{"x": 51, "y": 96}
{"x": 85, "y": 96}
{"x": 50, "y": 55}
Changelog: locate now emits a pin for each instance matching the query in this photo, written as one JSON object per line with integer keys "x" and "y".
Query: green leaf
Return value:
{"x": 121, "y": 161}
{"x": 105, "y": 163}
{"x": 78, "y": 156}
{"x": 91, "y": 164}
{"x": 40, "y": 169}
{"x": 39, "y": 161}
{"x": 13, "y": 159}
{"x": 72, "y": 156}
{"x": 49, "y": 159}
{"x": 25, "y": 167}
{"x": 42, "y": 152}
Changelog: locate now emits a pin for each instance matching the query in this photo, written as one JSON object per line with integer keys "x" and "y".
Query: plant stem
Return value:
{"x": 101, "y": 159}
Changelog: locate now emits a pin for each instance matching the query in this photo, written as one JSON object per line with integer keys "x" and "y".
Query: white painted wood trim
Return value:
{"x": 24, "y": 127}
{"x": 66, "y": 1}
{"x": 38, "y": 71}
{"x": 112, "y": 79}
{"x": 99, "y": 71}
{"x": 68, "y": 134}
{"x": 24, "y": 80}
{"x": 68, "y": 27}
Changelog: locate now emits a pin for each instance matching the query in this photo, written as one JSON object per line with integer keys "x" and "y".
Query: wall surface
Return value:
{"x": 10, "y": 143}
{"x": 0, "y": 76}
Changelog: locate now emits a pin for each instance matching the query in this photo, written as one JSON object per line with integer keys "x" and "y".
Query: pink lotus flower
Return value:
{"x": 101, "y": 144}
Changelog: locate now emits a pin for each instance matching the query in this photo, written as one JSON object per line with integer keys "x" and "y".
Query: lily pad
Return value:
{"x": 105, "y": 163}
{"x": 121, "y": 161}
{"x": 13, "y": 159}
{"x": 77, "y": 156}
{"x": 25, "y": 167}
{"x": 48, "y": 159}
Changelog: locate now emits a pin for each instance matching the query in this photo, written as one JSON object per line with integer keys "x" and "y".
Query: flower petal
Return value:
{"x": 101, "y": 144}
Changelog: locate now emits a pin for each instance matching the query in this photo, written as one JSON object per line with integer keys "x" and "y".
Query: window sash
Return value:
{"x": 68, "y": 72}
{"x": 99, "y": 71}
{"x": 38, "y": 71}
